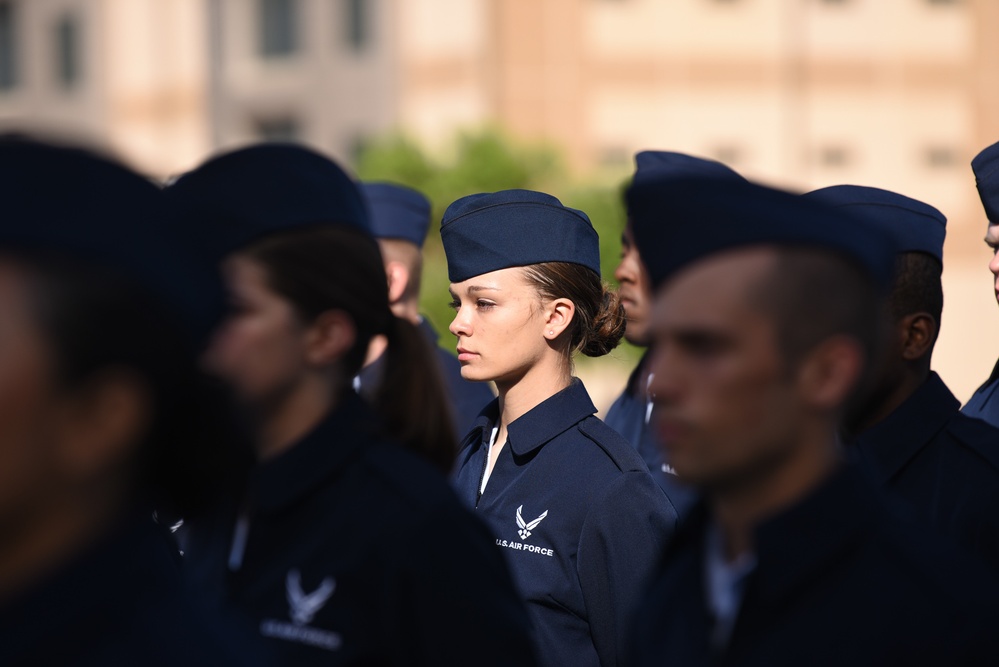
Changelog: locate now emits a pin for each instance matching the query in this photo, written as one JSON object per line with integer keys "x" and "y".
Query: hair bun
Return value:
{"x": 607, "y": 328}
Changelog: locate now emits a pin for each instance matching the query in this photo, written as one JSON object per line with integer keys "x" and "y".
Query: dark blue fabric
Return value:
{"x": 727, "y": 214}
{"x": 466, "y": 399}
{"x": 416, "y": 578}
{"x": 118, "y": 605}
{"x": 943, "y": 464}
{"x": 986, "y": 169}
{"x": 582, "y": 567}
{"x": 919, "y": 227}
{"x": 656, "y": 164}
{"x": 840, "y": 579}
{"x": 628, "y": 416}
{"x": 487, "y": 232}
{"x": 397, "y": 212}
{"x": 984, "y": 404}
{"x": 76, "y": 205}
{"x": 241, "y": 196}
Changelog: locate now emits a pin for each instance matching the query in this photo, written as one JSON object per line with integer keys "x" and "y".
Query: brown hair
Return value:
{"x": 599, "y": 321}
{"x": 319, "y": 269}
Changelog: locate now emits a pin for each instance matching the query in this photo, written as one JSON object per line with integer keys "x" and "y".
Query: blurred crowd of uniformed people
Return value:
{"x": 228, "y": 436}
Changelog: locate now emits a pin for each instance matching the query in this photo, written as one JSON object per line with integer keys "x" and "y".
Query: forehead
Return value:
{"x": 500, "y": 280}
{"x": 715, "y": 291}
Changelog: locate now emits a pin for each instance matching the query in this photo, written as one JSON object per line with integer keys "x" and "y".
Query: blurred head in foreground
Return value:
{"x": 767, "y": 318}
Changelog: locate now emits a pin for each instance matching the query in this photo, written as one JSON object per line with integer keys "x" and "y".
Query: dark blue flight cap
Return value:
{"x": 650, "y": 165}
{"x": 397, "y": 212}
{"x": 918, "y": 227}
{"x": 725, "y": 214}
{"x": 986, "y": 168}
{"x": 238, "y": 197}
{"x": 492, "y": 231}
{"x": 74, "y": 204}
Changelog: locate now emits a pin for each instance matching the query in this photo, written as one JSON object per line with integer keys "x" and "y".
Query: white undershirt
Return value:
{"x": 489, "y": 451}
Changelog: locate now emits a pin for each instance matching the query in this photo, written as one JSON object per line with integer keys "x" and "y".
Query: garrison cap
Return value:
{"x": 488, "y": 232}
{"x": 69, "y": 203}
{"x": 918, "y": 227}
{"x": 986, "y": 168}
{"x": 397, "y": 212}
{"x": 650, "y": 165}
{"x": 238, "y": 197}
{"x": 726, "y": 214}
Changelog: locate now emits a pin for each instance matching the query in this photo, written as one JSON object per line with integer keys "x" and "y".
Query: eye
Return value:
{"x": 455, "y": 304}
{"x": 482, "y": 304}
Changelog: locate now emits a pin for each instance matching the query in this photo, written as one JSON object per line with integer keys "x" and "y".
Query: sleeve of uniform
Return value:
{"x": 622, "y": 539}
{"x": 453, "y": 599}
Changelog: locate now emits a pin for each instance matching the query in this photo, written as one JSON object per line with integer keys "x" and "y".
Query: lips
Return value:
{"x": 465, "y": 355}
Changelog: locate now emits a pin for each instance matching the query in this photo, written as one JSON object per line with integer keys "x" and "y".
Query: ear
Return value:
{"x": 558, "y": 317}
{"x": 830, "y": 372}
{"x": 398, "y": 280}
{"x": 329, "y": 338}
{"x": 917, "y": 331}
{"x": 101, "y": 424}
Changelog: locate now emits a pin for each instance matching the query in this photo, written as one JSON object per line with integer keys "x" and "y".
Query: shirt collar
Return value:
{"x": 326, "y": 450}
{"x": 895, "y": 440}
{"x": 550, "y": 418}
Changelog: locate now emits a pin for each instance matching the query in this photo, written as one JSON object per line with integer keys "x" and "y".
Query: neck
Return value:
{"x": 42, "y": 541}
{"x": 407, "y": 310}
{"x": 908, "y": 385}
{"x": 541, "y": 382}
{"x": 739, "y": 507}
{"x": 295, "y": 416}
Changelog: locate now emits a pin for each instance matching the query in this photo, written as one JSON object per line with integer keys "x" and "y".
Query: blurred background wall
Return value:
{"x": 451, "y": 95}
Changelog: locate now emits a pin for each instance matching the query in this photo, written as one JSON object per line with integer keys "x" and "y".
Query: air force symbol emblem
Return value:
{"x": 526, "y": 528}
{"x": 304, "y": 606}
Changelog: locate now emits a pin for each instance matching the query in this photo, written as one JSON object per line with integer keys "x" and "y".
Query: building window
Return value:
{"x": 278, "y": 27}
{"x": 284, "y": 129}
{"x": 357, "y": 23}
{"x": 941, "y": 157}
{"x": 67, "y": 42}
{"x": 8, "y": 45}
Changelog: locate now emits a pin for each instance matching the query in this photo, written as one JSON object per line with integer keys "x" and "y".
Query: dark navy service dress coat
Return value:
{"x": 119, "y": 604}
{"x": 984, "y": 403}
{"x": 578, "y": 517}
{"x": 347, "y": 549}
{"x": 942, "y": 463}
{"x": 631, "y": 416}
{"x": 839, "y": 580}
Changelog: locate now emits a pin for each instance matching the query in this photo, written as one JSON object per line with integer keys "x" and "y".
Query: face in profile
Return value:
{"x": 500, "y": 324}
{"x": 992, "y": 241}
{"x": 634, "y": 290}
{"x": 726, "y": 403}
{"x": 260, "y": 348}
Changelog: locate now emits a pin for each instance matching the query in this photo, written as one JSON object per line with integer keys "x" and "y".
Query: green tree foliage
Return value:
{"x": 485, "y": 161}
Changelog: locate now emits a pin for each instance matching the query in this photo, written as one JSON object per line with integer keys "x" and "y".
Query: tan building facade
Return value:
{"x": 803, "y": 93}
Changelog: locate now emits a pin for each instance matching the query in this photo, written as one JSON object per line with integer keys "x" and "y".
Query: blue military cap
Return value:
{"x": 67, "y": 202}
{"x": 650, "y": 165}
{"x": 918, "y": 227}
{"x": 488, "y": 232}
{"x": 986, "y": 168}
{"x": 725, "y": 214}
{"x": 397, "y": 212}
{"x": 235, "y": 198}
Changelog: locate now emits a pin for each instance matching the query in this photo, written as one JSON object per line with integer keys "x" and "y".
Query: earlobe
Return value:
{"x": 920, "y": 330}
{"x": 830, "y": 372}
{"x": 560, "y": 314}
{"x": 330, "y": 338}
{"x": 398, "y": 280}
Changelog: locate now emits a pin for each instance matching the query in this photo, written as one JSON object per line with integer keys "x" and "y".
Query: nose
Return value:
{"x": 459, "y": 325}
{"x": 623, "y": 272}
{"x": 994, "y": 265}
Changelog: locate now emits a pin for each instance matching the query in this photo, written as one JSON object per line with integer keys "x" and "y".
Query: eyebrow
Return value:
{"x": 481, "y": 288}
